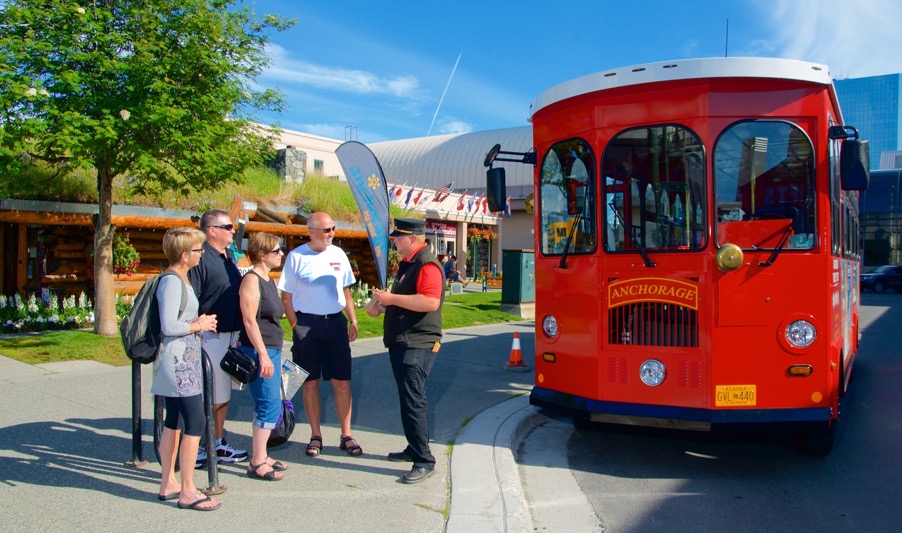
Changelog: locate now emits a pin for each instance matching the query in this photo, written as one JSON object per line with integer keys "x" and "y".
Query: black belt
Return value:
{"x": 324, "y": 317}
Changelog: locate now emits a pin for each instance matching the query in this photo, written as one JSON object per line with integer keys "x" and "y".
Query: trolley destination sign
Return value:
{"x": 665, "y": 290}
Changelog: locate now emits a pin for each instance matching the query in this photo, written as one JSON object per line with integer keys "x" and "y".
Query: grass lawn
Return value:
{"x": 460, "y": 310}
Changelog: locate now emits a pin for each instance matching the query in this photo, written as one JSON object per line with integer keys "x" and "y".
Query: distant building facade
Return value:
{"x": 873, "y": 105}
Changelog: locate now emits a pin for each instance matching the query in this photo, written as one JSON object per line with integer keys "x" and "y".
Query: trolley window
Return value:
{"x": 764, "y": 180}
{"x": 654, "y": 190}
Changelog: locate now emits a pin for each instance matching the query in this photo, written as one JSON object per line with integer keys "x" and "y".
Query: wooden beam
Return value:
{"x": 128, "y": 221}
{"x": 276, "y": 217}
{"x": 22, "y": 266}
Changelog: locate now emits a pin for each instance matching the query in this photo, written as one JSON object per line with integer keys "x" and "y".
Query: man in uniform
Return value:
{"x": 413, "y": 329}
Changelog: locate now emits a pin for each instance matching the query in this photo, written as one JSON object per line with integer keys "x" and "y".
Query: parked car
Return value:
{"x": 882, "y": 278}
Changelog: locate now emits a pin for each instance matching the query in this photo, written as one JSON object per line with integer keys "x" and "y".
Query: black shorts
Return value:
{"x": 321, "y": 346}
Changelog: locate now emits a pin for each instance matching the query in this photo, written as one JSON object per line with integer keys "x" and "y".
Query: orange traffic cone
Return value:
{"x": 516, "y": 363}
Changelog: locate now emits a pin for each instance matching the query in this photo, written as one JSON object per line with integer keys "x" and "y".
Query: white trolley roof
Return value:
{"x": 718, "y": 67}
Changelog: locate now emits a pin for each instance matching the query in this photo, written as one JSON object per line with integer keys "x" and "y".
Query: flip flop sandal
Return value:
{"x": 278, "y": 466}
{"x": 254, "y": 472}
{"x": 352, "y": 449}
{"x": 314, "y": 449}
{"x": 168, "y": 497}
{"x": 194, "y": 505}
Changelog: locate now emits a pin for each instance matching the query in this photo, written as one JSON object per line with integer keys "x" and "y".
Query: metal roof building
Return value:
{"x": 456, "y": 158}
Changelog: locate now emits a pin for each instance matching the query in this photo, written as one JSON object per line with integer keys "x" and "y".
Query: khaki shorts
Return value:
{"x": 216, "y": 344}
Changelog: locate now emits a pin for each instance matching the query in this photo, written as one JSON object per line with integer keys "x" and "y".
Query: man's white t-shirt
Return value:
{"x": 316, "y": 280}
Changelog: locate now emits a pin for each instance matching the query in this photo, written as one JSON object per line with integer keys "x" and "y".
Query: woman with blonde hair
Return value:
{"x": 177, "y": 370}
{"x": 261, "y": 337}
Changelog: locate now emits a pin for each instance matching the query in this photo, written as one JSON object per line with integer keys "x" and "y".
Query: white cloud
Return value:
{"x": 289, "y": 70}
{"x": 854, "y": 39}
{"x": 453, "y": 126}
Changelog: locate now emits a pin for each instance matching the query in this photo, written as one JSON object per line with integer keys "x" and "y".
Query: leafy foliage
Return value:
{"x": 159, "y": 92}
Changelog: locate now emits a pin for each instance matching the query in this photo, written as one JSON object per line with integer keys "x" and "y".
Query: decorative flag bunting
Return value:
{"x": 460, "y": 203}
{"x": 417, "y": 199}
{"x": 470, "y": 203}
{"x": 446, "y": 190}
{"x": 507, "y": 208}
{"x": 409, "y": 195}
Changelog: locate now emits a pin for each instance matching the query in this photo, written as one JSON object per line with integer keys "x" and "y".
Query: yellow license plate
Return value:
{"x": 734, "y": 395}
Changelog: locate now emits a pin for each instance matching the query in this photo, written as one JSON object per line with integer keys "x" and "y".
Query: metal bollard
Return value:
{"x": 137, "y": 460}
{"x": 158, "y": 429}
{"x": 212, "y": 463}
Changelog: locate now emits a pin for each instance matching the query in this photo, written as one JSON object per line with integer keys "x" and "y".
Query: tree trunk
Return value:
{"x": 104, "y": 293}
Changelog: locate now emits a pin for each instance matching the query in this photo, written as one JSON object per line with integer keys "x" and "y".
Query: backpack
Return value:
{"x": 141, "y": 335}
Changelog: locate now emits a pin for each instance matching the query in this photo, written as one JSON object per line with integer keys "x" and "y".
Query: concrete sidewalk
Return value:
{"x": 65, "y": 435}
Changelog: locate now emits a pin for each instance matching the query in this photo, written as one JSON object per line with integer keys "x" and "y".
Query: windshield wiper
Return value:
{"x": 785, "y": 238}
{"x": 773, "y": 255}
{"x": 633, "y": 237}
{"x": 579, "y": 217}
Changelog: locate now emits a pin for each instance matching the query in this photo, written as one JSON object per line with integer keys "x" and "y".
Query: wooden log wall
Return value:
{"x": 69, "y": 265}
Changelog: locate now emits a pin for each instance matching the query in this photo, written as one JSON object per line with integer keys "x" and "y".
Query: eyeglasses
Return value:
{"x": 198, "y": 250}
{"x": 227, "y": 227}
{"x": 277, "y": 251}
{"x": 325, "y": 230}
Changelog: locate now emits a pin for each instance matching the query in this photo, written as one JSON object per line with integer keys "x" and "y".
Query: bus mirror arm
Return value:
{"x": 527, "y": 158}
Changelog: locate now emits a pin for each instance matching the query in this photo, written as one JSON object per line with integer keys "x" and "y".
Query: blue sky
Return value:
{"x": 383, "y": 67}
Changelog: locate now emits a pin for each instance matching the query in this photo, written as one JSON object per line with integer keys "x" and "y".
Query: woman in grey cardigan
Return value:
{"x": 177, "y": 370}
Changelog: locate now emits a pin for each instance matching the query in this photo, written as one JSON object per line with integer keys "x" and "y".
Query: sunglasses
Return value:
{"x": 198, "y": 250}
{"x": 277, "y": 251}
{"x": 325, "y": 230}
{"x": 227, "y": 227}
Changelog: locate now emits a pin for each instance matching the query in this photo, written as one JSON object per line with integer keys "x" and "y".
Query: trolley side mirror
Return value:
{"x": 496, "y": 189}
{"x": 855, "y": 164}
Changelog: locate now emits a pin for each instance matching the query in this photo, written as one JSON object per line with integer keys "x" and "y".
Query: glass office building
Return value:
{"x": 873, "y": 105}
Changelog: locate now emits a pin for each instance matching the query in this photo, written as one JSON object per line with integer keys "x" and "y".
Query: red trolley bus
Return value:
{"x": 709, "y": 273}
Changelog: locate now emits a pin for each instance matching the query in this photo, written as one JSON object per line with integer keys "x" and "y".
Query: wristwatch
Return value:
{"x": 353, "y": 322}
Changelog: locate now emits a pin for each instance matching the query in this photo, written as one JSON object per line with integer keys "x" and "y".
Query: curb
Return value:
{"x": 486, "y": 491}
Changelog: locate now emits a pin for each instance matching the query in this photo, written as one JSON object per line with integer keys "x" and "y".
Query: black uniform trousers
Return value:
{"x": 411, "y": 367}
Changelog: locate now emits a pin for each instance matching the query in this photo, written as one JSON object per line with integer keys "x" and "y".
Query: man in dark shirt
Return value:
{"x": 413, "y": 329}
{"x": 215, "y": 280}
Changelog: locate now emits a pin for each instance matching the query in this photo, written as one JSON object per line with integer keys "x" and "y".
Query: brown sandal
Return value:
{"x": 352, "y": 449}
{"x": 314, "y": 449}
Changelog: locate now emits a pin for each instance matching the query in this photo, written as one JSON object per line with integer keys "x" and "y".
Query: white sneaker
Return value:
{"x": 227, "y": 454}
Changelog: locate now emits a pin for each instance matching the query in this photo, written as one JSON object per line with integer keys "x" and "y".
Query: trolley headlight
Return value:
{"x": 800, "y": 333}
{"x": 652, "y": 372}
{"x": 549, "y": 326}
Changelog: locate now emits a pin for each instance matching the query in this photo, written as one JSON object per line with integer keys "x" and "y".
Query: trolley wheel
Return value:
{"x": 582, "y": 423}
{"x": 817, "y": 441}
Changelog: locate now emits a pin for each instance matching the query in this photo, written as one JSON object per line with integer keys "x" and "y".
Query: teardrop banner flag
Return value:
{"x": 367, "y": 181}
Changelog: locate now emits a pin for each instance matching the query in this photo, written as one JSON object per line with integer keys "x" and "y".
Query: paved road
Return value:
{"x": 638, "y": 480}
{"x": 65, "y": 434}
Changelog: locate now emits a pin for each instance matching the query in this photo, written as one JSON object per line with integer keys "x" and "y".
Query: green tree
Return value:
{"x": 160, "y": 92}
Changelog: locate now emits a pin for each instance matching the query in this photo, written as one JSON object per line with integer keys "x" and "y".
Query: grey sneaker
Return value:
{"x": 225, "y": 453}
{"x": 201, "y": 457}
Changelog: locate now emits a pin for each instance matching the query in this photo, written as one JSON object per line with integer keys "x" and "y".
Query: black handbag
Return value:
{"x": 239, "y": 365}
{"x": 284, "y": 425}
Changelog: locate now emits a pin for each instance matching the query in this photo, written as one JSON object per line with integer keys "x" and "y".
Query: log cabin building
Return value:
{"x": 48, "y": 246}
